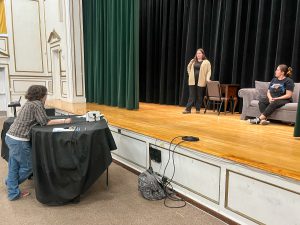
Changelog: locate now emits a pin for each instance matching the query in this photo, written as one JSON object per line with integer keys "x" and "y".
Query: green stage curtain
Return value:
{"x": 111, "y": 50}
{"x": 297, "y": 125}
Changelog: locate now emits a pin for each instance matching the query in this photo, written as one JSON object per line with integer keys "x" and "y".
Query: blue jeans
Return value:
{"x": 19, "y": 165}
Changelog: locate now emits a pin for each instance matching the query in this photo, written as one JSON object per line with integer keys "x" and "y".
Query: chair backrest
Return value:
{"x": 213, "y": 89}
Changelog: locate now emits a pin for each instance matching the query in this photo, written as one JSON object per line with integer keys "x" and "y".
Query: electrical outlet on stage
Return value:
{"x": 155, "y": 154}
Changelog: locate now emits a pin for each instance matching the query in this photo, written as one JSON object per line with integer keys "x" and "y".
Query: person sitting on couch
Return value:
{"x": 279, "y": 93}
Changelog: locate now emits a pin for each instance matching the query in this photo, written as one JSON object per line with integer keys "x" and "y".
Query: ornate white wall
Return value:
{"x": 44, "y": 45}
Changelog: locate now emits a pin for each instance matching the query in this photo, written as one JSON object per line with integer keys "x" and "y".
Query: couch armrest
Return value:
{"x": 248, "y": 94}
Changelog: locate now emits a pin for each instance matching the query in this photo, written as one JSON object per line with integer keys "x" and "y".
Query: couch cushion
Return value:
{"x": 262, "y": 88}
{"x": 288, "y": 106}
{"x": 254, "y": 103}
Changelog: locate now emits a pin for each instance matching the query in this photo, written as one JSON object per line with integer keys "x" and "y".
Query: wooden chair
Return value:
{"x": 214, "y": 94}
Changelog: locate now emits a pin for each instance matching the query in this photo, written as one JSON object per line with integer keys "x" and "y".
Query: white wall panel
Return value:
{"x": 262, "y": 202}
{"x": 21, "y": 86}
{"x": 64, "y": 86}
{"x": 3, "y": 97}
{"x": 197, "y": 176}
{"x": 27, "y": 40}
{"x": 132, "y": 150}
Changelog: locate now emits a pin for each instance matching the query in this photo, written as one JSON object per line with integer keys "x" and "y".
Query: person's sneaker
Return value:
{"x": 186, "y": 112}
{"x": 255, "y": 120}
{"x": 24, "y": 194}
{"x": 264, "y": 122}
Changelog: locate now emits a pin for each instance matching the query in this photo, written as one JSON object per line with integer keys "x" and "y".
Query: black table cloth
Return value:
{"x": 10, "y": 120}
{"x": 66, "y": 164}
{"x": 4, "y": 148}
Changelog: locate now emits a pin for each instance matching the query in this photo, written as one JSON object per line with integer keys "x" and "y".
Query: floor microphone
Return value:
{"x": 190, "y": 138}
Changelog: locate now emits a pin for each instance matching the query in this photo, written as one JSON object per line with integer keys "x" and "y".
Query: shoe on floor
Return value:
{"x": 24, "y": 194}
{"x": 264, "y": 122}
{"x": 255, "y": 121}
{"x": 186, "y": 112}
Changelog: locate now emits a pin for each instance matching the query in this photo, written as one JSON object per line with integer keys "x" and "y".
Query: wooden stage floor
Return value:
{"x": 270, "y": 148}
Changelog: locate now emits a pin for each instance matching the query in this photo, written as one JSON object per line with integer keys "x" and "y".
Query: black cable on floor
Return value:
{"x": 168, "y": 188}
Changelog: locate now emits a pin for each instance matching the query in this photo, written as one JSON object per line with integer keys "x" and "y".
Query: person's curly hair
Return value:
{"x": 36, "y": 92}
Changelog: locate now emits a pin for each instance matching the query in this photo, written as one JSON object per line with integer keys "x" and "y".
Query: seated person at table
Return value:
{"x": 18, "y": 139}
{"x": 280, "y": 93}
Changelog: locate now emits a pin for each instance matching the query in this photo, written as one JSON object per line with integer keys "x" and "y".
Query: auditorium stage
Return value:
{"x": 270, "y": 148}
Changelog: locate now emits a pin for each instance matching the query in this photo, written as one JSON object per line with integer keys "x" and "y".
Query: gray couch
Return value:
{"x": 286, "y": 113}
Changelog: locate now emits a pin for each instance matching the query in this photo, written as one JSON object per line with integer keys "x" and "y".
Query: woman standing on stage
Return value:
{"x": 199, "y": 71}
{"x": 18, "y": 139}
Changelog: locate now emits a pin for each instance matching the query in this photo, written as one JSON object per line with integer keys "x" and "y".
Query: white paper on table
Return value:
{"x": 58, "y": 129}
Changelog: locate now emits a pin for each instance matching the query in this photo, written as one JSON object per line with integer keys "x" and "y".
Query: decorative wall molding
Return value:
{"x": 5, "y": 68}
{"x": 53, "y": 37}
{"x": 76, "y": 15}
{"x": 50, "y": 86}
{"x": 57, "y": 47}
{"x": 38, "y": 35}
{"x": 4, "y": 50}
{"x": 45, "y": 33}
{"x": 64, "y": 89}
{"x": 20, "y": 86}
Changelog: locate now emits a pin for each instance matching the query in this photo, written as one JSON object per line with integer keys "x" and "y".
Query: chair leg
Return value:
{"x": 231, "y": 105}
{"x": 220, "y": 108}
{"x": 234, "y": 104}
{"x": 225, "y": 105}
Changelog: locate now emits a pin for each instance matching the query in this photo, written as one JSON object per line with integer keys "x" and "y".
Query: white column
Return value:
{"x": 75, "y": 53}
